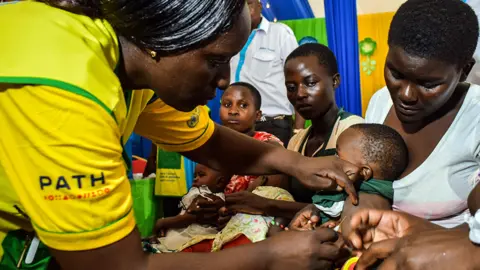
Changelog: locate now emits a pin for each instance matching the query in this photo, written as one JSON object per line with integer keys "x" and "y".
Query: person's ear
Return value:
{"x": 366, "y": 172}
{"x": 258, "y": 115}
{"x": 466, "y": 70}
{"x": 221, "y": 182}
{"x": 336, "y": 81}
{"x": 259, "y": 5}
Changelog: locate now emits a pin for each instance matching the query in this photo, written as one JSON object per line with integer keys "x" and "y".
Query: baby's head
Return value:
{"x": 240, "y": 107}
{"x": 214, "y": 180}
{"x": 377, "y": 149}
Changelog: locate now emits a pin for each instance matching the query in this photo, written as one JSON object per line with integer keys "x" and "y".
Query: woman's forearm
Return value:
{"x": 233, "y": 152}
{"x": 285, "y": 209}
{"x": 127, "y": 254}
{"x": 245, "y": 154}
{"x": 180, "y": 221}
{"x": 365, "y": 201}
{"x": 252, "y": 257}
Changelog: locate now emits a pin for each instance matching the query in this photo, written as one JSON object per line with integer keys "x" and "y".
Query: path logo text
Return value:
{"x": 73, "y": 181}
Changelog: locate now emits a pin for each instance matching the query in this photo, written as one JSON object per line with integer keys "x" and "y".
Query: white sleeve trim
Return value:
{"x": 474, "y": 224}
{"x": 334, "y": 211}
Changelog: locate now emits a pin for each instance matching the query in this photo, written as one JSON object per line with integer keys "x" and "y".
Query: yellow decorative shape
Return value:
{"x": 374, "y": 26}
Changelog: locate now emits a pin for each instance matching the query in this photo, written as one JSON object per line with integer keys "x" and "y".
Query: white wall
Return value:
{"x": 318, "y": 8}
{"x": 378, "y": 6}
{"x": 363, "y": 6}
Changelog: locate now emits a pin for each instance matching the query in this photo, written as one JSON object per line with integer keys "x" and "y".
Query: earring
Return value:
{"x": 153, "y": 54}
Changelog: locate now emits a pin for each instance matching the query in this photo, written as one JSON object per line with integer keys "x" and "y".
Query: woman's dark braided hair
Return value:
{"x": 164, "y": 26}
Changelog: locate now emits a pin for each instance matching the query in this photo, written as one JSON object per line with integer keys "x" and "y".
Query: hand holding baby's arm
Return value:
{"x": 306, "y": 220}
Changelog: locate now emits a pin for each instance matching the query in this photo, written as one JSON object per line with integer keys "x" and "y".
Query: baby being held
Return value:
{"x": 181, "y": 231}
{"x": 380, "y": 153}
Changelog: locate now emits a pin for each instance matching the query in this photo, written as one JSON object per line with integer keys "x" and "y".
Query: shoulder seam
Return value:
{"x": 284, "y": 27}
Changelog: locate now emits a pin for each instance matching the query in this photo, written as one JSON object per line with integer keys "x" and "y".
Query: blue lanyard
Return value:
{"x": 243, "y": 53}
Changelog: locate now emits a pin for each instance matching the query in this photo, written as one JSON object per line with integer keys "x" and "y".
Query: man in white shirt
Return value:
{"x": 260, "y": 63}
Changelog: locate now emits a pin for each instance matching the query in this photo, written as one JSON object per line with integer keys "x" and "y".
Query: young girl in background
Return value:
{"x": 240, "y": 110}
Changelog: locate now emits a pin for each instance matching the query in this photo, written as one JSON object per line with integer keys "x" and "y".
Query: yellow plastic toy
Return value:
{"x": 350, "y": 264}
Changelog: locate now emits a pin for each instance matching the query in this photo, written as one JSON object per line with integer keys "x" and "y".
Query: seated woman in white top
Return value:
{"x": 436, "y": 113}
{"x": 444, "y": 155}
{"x": 431, "y": 45}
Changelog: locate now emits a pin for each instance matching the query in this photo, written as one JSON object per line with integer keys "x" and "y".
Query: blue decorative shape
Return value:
{"x": 307, "y": 39}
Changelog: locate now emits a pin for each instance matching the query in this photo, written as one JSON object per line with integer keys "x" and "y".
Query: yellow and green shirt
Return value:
{"x": 63, "y": 120}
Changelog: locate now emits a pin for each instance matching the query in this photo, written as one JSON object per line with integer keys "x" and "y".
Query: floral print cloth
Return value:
{"x": 254, "y": 227}
{"x": 178, "y": 239}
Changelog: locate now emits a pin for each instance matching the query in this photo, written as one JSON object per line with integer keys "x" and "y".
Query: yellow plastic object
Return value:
{"x": 350, "y": 264}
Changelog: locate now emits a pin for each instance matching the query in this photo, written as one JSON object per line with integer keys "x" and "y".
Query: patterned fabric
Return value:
{"x": 240, "y": 182}
{"x": 266, "y": 137}
{"x": 254, "y": 227}
{"x": 178, "y": 239}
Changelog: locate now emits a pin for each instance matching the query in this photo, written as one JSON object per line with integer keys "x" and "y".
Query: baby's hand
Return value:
{"x": 205, "y": 209}
{"x": 330, "y": 224}
{"x": 306, "y": 219}
{"x": 161, "y": 227}
{"x": 151, "y": 239}
{"x": 273, "y": 230}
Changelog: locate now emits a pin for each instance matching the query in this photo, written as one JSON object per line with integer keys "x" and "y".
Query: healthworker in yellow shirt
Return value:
{"x": 68, "y": 70}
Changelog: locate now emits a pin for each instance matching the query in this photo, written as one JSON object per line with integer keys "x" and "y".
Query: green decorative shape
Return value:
{"x": 369, "y": 66}
{"x": 367, "y": 47}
